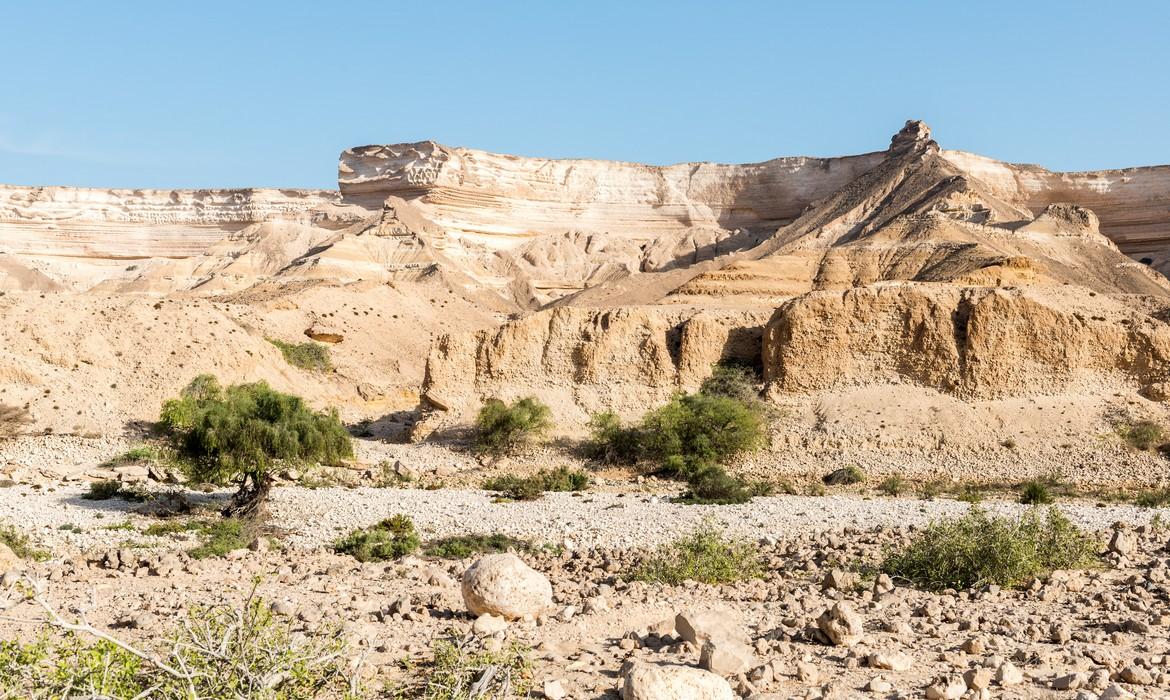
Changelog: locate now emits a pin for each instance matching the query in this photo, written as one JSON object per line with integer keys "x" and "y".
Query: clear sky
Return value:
{"x": 249, "y": 93}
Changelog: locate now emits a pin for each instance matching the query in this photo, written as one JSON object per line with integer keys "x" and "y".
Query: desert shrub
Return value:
{"x": 892, "y": 486}
{"x": 732, "y": 381}
{"x": 219, "y": 537}
{"x": 610, "y": 441}
{"x": 977, "y": 549}
{"x": 705, "y": 555}
{"x": 13, "y": 420}
{"x": 172, "y": 527}
{"x": 218, "y": 652}
{"x": 237, "y": 433}
{"x": 307, "y": 355}
{"x": 714, "y": 486}
{"x": 135, "y": 455}
{"x": 1153, "y": 498}
{"x": 465, "y": 669}
{"x": 1142, "y": 435}
{"x": 463, "y": 546}
{"x": 970, "y": 494}
{"x": 106, "y": 489}
{"x": 393, "y": 538}
{"x": 502, "y": 428}
{"x": 845, "y": 476}
{"x": 1036, "y": 492}
{"x": 20, "y": 544}
{"x": 698, "y": 430}
{"x": 528, "y": 488}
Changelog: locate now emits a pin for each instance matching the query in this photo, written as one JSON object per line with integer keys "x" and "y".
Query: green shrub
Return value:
{"x": 135, "y": 455}
{"x": 714, "y": 486}
{"x": 226, "y": 652}
{"x": 705, "y": 556}
{"x": 970, "y": 494}
{"x": 1142, "y": 435}
{"x": 977, "y": 549}
{"x": 20, "y": 544}
{"x": 502, "y": 428}
{"x": 528, "y": 488}
{"x": 697, "y": 430}
{"x": 1036, "y": 492}
{"x": 1153, "y": 498}
{"x": 106, "y": 489}
{"x": 393, "y": 538}
{"x": 308, "y": 355}
{"x": 845, "y": 476}
{"x": 892, "y": 486}
{"x": 464, "y": 546}
{"x": 221, "y": 537}
{"x": 610, "y": 441}
{"x": 237, "y": 434}
{"x": 465, "y": 669}
{"x": 732, "y": 381}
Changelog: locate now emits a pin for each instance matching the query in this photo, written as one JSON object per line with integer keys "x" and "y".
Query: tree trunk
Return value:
{"x": 248, "y": 501}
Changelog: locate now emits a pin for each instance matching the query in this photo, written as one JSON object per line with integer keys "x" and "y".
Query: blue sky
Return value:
{"x": 232, "y": 94}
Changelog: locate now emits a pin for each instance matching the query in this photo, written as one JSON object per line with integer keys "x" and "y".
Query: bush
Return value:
{"x": 529, "y": 488}
{"x": 892, "y": 486}
{"x": 227, "y": 652}
{"x": 393, "y": 538}
{"x": 465, "y": 669}
{"x": 307, "y": 355}
{"x": 464, "y": 546}
{"x": 502, "y": 428}
{"x": 845, "y": 476}
{"x": 20, "y": 544}
{"x": 977, "y": 550}
{"x": 221, "y": 537}
{"x": 236, "y": 434}
{"x": 1143, "y": 435}
{"x": 106, "y": 489}
{"x": 1036, "y": 492}
{"x": 1153, "y": 498}
{"x": 734, "y": 382}
{"x": 714, "y": 486}
{"x": 610, "y": 441}
{"x": 697, "y": 430}
{"x": 13, "y": 420}
{"x": 135, "y": 455}
{"x": 705, "y": 556}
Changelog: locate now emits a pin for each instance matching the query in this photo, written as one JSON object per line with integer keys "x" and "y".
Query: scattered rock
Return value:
{"x": 502, "y": 584}
{"x": 647, "y": 681}
{"x": 841, "y": 625}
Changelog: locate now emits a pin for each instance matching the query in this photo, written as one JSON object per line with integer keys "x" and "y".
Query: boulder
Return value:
{"x": 503, "y": 585}
{"x": 841, "y": 625}
{"x": 726, "y": 657}
{"x": 645, "y": 681}
{"x": 697, "y": 626}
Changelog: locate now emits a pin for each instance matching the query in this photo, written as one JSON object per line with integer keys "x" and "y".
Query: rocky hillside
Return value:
{"x": 590, "y": 284}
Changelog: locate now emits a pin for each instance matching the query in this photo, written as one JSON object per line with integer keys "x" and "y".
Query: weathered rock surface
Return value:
{"x": 504, "y": 586}
{"x": 650, "y": 681}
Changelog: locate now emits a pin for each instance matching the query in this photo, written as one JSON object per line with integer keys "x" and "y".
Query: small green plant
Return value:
{"x": 1036, "y": 492}
{"x": 308, "y": 355}
{"x": 464, "y": 546}
{"x": 845, "y": 476}
{"x": 20, "y": 544}
{"x": 172, "y": 527}
{"x": 733, "y": 381}
{"x": 135, "y": 455}
{"x": 106, "y": 489}
{"x": 528, "y": 488}
{"x": 892, "y": 486}
{"x": 71, "y": 527}
{"x": 970, "y": 494}
{"x": 1144, "y": 435}
{"x": 1153, "y": 498}
{"x": 502, "y": 428}
{"x": 465, "y": 669}
{"x": 239, "y": 433}
{"x": 978, "y": 549}
{"x": 714, "y": 486}
{"x": 393, "y": 538}
{"x": 706, "y": 556}
{"x": 219, "y": 537}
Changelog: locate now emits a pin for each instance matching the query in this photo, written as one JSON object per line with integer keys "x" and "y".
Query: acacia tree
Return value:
{"x": 238, "y": 434}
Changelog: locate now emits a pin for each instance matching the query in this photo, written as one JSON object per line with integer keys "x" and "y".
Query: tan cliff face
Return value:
{"x": 625, "y": 282}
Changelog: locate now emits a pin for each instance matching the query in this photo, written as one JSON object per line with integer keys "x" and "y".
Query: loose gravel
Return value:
{"x": 317, "y": 517}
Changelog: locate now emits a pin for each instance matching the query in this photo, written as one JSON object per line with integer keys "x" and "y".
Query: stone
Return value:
{"x": 839, "y": 579}
{"x": 1135, "y": 675}
{"x": 841, "y": 625}
{"x": 1008, "y": 675}
{"x": 1114, "y": 691}
{"x": 890, "y": 661}
{"x": 503, "y": 585}
{"x": 487, "y": 624}
{"x": 554, "y": 690}
{"x": 1070, "y": 681}
{"x": 1123, "y": 542}
{"x": 648, "y": 681}
{"x": 8, "y": 559}
{"x": 697, "y": 626}
{"x": 807, "y": 673}
{"x": 726, "y": 657}
{"x": 946, "y": 688}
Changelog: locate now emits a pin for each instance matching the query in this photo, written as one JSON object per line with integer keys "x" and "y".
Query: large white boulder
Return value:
{"x": 503, "y": 585}
{"x": 645, "y": 681}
